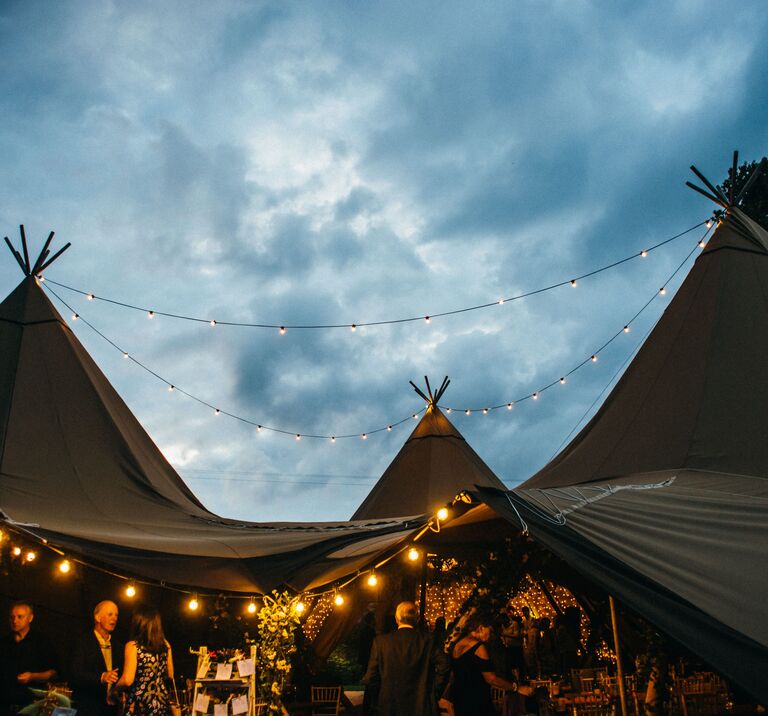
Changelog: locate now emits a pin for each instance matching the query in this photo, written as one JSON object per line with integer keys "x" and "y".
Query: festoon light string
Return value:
{"x": 364, "y": 435}
{"x": 285, "y": 326}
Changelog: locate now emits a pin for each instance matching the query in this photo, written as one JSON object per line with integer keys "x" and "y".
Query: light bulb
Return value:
{"x": 426, "y": 318}
{"x": 300, "y": 607}
{"x": 509, "y": 406}
{"x": 130, "y": 591}
{"x": 449, "y": 410}
{"x": 16, "y": 551}
{"x": 150, "y": 314}
{"x": 373, "y": 580}
{"x": 75, "y": 316}
{"x": 701, "y": 244}
{"x": 364, "y": 436}
{"x": 626, "y": 329}
{"x": 562, "y": 380}
{"x": 251, "y": 607}
{"x": 415, "y": 416}
{"x": 643, "y": 253}
{"x": 338, "y": 600}
{"x": 413, "y": 554}
{"x": 193, "y": 604}
{"x": 333, "y": 439}
{"x": 573, "y": 282}
{"x": 353, "y": 328}
{"x": 594, "y": 359}
{"x": 30, "y": 556}
{"x": 125, "y": 355}
{"x": 171, "y": 388}
{"x": 282, "y": 330}
{"x": 90, "y": 297}
{"x": 64, "y": 566}
{"x": 663, "y": 290}
{"x": 501, "y": 302}
{"x": 467, "y": 412}
{"x": 485, "y": 411}
{"x": 259, "y": 428}
{"x": 298, "y": 437}
{"x": 213, "y": 322}
{"x": 442, "y": 514}
{"x": 389, "y": 428}
{"x": 217, "y": 412}
{"x": 535, "y": 396}
{"x": 709, "y": 223}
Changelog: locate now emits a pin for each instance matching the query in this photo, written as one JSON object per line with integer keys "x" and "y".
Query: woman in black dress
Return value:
{"x": 473, "y": 672}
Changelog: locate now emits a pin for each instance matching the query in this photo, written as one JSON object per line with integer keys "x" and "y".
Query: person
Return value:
{"x": 568, "y": 639}
{"x": 96, "y": 661}
{"x": 549, "y": 658}
{"x": 530, "y": 643}
{"x": 405, "y": 672}
{"x": 147, "y": 665}
{"x": 473, "y": 671}
{"x": 28, "y": 660}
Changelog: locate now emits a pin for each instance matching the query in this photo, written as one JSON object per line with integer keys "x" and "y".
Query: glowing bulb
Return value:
{"x": 300, "y": 607}
{"x": 150, "y": 314}
{"x": 594, "y": 359}
{"x": 562, "y": 380}
{"x": 217, "y": 412}
{"x": 467, "y": 412}
{"x": 64, "y": 566}
{"x": 212, "y": 322}
{"x": 626, "y": 329}
{"x": 426, "y": 318}
{"x": 171, "y": 388}
{"x": 41, "y": 278}
{"x": 125, "y": 355}
{"x": 485, "y": 411}
{"x": 282, "y": 330}
{"x": 501, "y": 302}
{"x": 333, "y": 439}
{"x": 373, "y": 580}
{"x": 509, "y": 406}
{"x": 338, "y": 600}
{"x": 643, "y": 253}
{"x": 130, "y": 591}
{"x": 353, "y": 328}
{"x": 573, "y": 282}
{"x": 75, "y": 316}
{"x": 16, "y": 551}
{"x": 30, "y": 556}
{"x": 298, "y": 437}
{"x": 364, "y": 436}
{"x": 251, "y": 607}
{"x": 701, "y": 244}
{"x": 442, "y": 514}
{"x": 90, "y": 297}
{"x": 663, "y": 290}
{"x": 449, "y": 410}
{"x": 389, "y": 428}
{"x": 413, "y": 554}
{"x": 709, "y": 223}
{"x": 259, "y": 428}
{"x": 535, "y": 396}
{"x": 193, "y": 604}
{"x": 415, "y": 416}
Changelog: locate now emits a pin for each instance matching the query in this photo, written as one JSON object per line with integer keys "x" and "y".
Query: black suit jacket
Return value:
{"x": 88, "y": 693}
{"x": 405, "y": 673}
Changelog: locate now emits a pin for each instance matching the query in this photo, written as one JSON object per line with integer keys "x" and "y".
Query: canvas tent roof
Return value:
{"x": 434, "y": 464}
{"x": 77, "y": 468}
{"x": 662, "y": 498}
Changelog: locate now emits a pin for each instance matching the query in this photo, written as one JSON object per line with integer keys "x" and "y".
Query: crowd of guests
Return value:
{"x": 105, "y": 677}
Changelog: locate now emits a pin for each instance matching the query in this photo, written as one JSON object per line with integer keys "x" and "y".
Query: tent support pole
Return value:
{"x": 423, "y": 594}
{"x": 619, "y": 669}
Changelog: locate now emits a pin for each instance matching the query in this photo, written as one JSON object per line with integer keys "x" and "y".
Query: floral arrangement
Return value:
{"x": 276, "y": 643}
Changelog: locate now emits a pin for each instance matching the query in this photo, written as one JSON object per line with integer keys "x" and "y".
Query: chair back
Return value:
{"x": 497, "y": 696}
{"x": 326, "y": 700}
{"x": 594, "y": 710}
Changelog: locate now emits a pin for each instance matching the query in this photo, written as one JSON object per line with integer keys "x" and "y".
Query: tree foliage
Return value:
{"x": 755, "y": 202}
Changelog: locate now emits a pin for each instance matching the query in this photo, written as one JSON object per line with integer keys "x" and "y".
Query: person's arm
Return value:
{"x": 491, "y": 677}
{"x": 170, "y": 661}
{"x": 129, "y": 667}
{"x": 26, "y": 676}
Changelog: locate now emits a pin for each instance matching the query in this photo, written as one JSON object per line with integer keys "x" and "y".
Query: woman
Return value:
{"x": 147, "y": 666}
{"x": 473, "y": 673}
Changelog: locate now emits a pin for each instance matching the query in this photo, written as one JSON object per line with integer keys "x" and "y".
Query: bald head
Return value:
{"x": 105, "y": 617}
{"x": 407, "y": 614}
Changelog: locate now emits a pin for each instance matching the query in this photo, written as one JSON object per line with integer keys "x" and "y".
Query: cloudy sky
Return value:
{"x": 351, "y": 162}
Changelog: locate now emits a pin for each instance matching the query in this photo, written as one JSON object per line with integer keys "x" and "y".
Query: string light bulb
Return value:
{"x": 353, "y": 328}
{"x": 372, "y": 580}
{"x": 251, "y": 608}
{"x": 467, "y": 412}
{"x": 643, "y": 253}
{"x": 259, "y": 428}
{"x": 442, "y": 514}
{"x": 510, "y": 406}
{"x": 562, "y": 380}
{"x": 217, "y": 412}
{"x": 16, "y": 551}
{"x": 594, "y": 358}
{"x": 171, "y": 388}
{"x": 364, "y": 436}
{"x": 65, "y": 566}
{"x": 90, "y": 297}
{"x": 389, "y": 428}
{"x": 212, "y": 322}
{"x": 413, "y": 554}
{"x": 427, "y": 319}
{"x": 573, "y": 283}
{"x": 501, "y": 302}
{"x": 130, "y": 591}
{"x": 75, "y": 316}
{"x": 535, "y": 396}
{"x": 709, "y": 223}
{"x": 338, "y": 600}
{"x": 626, "y": 329}
{"x": 333, "y": 438}
{"x": 193, "y": 604}
{"x": 485, "y": 411}
{"x": 701, "y": 243}
{"x": 663, "y": 290}
{"x": 282, "y": 330}
{"x": 299, "y": 607}
{"x": 125, "y": 355}
{"x": 30, "y": 556}
{"x": 298, "y": 437}
{"x": 150, "y": 314}
{"x": 415, "y": 416}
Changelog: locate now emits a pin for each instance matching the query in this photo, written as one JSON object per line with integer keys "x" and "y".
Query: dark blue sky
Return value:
{"x": 351, "y": 162}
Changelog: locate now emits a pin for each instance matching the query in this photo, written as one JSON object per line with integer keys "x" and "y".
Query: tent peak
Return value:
{"x": 41, "y": 263}
{"x": 433, "y": 398}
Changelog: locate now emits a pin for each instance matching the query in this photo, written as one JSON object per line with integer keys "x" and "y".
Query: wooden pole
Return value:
{"x": 619, "y": 669}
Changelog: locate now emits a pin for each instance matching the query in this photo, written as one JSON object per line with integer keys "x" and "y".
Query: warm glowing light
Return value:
{"x": 415, "y": 416}
{"x": 626, "y": 329}
{"x": 251, "y": 607}
{"x": 213, "y": 322}
{"x": 364, "y": 436}
{"x": 282, "y": 330}
{"x": 298, "y": 437}
{"x": 509, "y": 406}
{"x": 449, "y": 410}
{"x": 217, "y": 412}
{"x": 75, "y": 316}
{"x": 151, "y": 314}
{"x": 643, "y": 253}
{"x": 259, "y": 428}
{"x": 701, "y": 244}
{"x": 389, "y": 428}
{"x": 125, "y": 355}
{"x": 485, "y": 411}
{"x": 64, "y": 566}
{"x": 535, "y": 396}
{"x": 562, "y": 380}
{"x": 501, "y": 302}
{"x": 573, "y": 282}
{"x": 91, "y": 297}
{"x": 594, "y": 359}
{"x": 709, "y": 223}
{"x": 171, "y": 388}
{"x": 300, "y": 607}
{"x": 663, "y": 290}
{"x": 427, "y": 319}
{"x": 413, "y": 554}
{"x": 16, "y": 551}
{"x": 373, "y": 580}
{"x": 130, "y": 591}
{"x": 333, "y": 439}
{"x": 193, "y": 604}
{"x": 442, "y": 514}
{"x": 467, "y": 412}
{"x": 338, "y": 600}
{"x": 353, "y": 328}
{"x": 30, "y": 556}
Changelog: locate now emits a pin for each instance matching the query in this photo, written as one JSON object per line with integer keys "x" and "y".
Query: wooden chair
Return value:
{"x": 261, "y": 708}
{"x": 497, "y": 696}
{"x": 594, "y": 710}
{"x": 326, "y": 700}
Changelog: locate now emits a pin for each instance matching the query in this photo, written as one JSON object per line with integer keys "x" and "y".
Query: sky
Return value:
{"x": 295, "y": 163}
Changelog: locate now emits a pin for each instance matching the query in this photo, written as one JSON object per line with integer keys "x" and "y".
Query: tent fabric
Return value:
{"x": 77, "y": 468}
{"x": 434, "y": 464}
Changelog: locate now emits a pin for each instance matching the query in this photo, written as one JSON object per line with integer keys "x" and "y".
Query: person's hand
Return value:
{"x": 24, "y": 677}
{"x": 109, "y": 677}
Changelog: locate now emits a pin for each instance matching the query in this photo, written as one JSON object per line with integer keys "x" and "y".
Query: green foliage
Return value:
{"x": 755, "y": 202}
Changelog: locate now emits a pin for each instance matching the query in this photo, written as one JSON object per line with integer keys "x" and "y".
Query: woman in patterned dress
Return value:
{"x": 147, "y": 666}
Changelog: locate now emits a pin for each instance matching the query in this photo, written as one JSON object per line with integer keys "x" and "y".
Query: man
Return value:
{"x": 28, "y": 660}
{"x": 406, "y": 672}
{"x": 96, "y": 662}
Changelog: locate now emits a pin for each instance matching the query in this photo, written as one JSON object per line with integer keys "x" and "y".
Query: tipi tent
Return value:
{"x": 434, "y": 464}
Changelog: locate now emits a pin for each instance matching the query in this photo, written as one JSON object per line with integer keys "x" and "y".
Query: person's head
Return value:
{"x": 479, "y": 627}
{"x": 21, "y": 616}
{"x": 105, "y": 617}
{"x": 147, "y": 628}
{"x": 440, "y": 624}
{"x": 526, "y": 612}
{"x": 544, "y": 623}
{"x": 407, "y": 614}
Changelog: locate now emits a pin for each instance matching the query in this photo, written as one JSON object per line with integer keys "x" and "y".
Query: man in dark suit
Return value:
{"x": 97, "y": 659}
{"x": 406, "y": 672}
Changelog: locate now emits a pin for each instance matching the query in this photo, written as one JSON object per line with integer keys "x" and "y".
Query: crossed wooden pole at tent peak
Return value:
{"x": 41, "y": 264}
{"x": 433, "y": 398}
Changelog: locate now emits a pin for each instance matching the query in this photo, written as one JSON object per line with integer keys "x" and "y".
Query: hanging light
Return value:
{"x": 217, "y": 412}
{"x": 427, "y": 319}
{"x": 364, "y": 436}
{"x": 298, "y": 437}
{"x": 65, "y": 566}
{"x": 573, "y": 282}
{"x": 282, "y": 330}
{"x": 171, "y": 388}
{"x": 125, "y": 355}
{"x": 251, "y": 608}
{"x": 212, "y": 322}
{"x": 193, "y": 604}
{"x": 626, "y": 329}
{"x": 333, "y": 438}
{"x": 709, "y": 223}
{"x": 562, "y": 380}
{"x": 372, "y": 580}
{"x": 510, "y": 406}
{"x": 338, "y": 600}
{"x": 30, "y": 556}
{"x": 299, "y": 607}
{"x": 259, "y": 428}
{"x": 643, "y": 253}
{"x": 594, "y": 358}
{"x": 535, "y": 396}
{"x": 90, "y": 297}
{"x": 75, "y": 316}
{"x": 442, "y": 514}
{"x": 485, "y": 411}
{"x": 130, "y": 591}
{"x": 389, "y": 428}
{"x": 353, "y": 328}
{"x": 663, "y": 290}
{"x": 413, "y": 554}
{"x": 150, "y": 314}
{"x": 16, "y": 551}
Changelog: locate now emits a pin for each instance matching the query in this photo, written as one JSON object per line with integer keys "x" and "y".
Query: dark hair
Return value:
{"x": 475, "y": 622}
{"x": 147, "y": 629}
